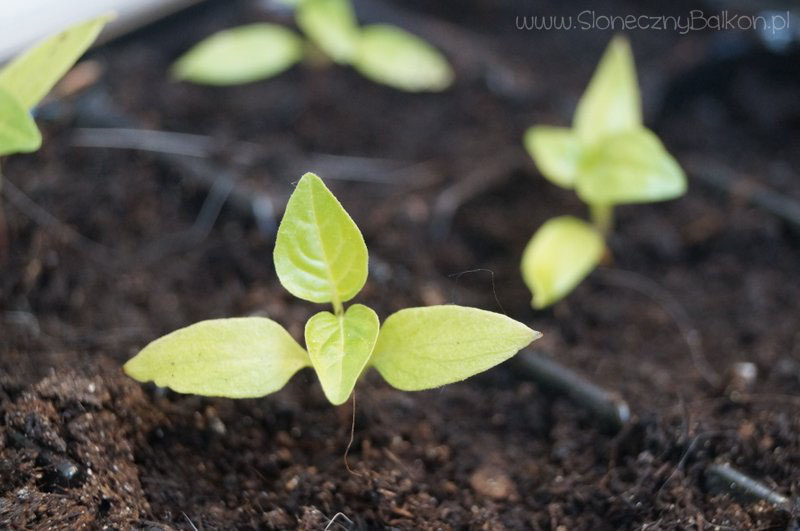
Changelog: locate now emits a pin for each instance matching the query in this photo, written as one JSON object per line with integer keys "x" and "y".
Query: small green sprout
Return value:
{"x": 383, "y": 53}
{"x": 18, "y": 131}
{"x": 609, "y": 158}
{"x": 320, "y": 256}
{"x": 30, "y": 76}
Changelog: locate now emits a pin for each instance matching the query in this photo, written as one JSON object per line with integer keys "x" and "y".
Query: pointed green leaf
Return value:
{"x": 394, "y": 57}
{"x": 31, "y": 75}
{"x": 18, "y": 131}
{"x": 556, "y": 151}
{"x": 235, "y": 358}
{"x": 561, "y": 253}
{"x": 422, "y": 348}
{"x": 630, "y": 167}
{"x": 340, "y": 347}
{"x": 240, "y": 55}
{"x": 320, "y": 255}
{"x": 611, "y": 103}
{"x": 331, "y": 25}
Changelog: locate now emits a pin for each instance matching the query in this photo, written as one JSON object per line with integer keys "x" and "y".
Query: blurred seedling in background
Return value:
{"x": 28, "y": 78}
{"x": 320, "y": 256}
{"x": 609, "y": 158}
{"x": 383, "y": 53}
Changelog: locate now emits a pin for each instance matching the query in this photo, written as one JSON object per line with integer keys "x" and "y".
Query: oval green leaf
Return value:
{"x": 18, "y": 131}
{"x": 630, "y": 167}
{"x": 331, "y": 25}
{"x": 236, "y": 358}
{"x": 556, "y": 152}
{"x": 31, "y": 75}
{"x": 320, "y": 255}
{"x": 561, "y": 253}
{"x": 340, "y": 347}
{"x": 422, "y": 348}
{"x": 240, "y": 55}
{"x": 611, "y": 102}
{"x": 394, "y": 57}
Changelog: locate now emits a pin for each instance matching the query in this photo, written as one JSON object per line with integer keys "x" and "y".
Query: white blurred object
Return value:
{"x": 23, "y": 22}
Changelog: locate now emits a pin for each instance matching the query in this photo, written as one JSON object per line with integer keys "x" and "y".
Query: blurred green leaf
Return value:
{"x": 340, "y": 346}
{"x": 18, "y": 131}
{"x": 331, "y": 25}
{"x": 240, "y": 55}
{"x": 629, "y": 167}
{"x": 556, "y": 151}
{"x": 31, "y": 75}
{"x": 320, "y": 255}
{"x": 394, "y": 57}
{"x": 561, "y": 253}
{"x": 235, "y": 358}
{"x": 422, "y": 348}
{"x": 611, "y": 103}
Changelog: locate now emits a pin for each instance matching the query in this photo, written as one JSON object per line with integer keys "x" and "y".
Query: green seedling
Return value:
{"x": 30, "y": 76}
{"x": 383, "y": 53}
{"x": 320, "y": 256}
{"x": 609, "y": 158}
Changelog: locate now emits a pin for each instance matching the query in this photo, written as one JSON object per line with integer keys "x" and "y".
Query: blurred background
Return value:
{"x": 153, "y": 204}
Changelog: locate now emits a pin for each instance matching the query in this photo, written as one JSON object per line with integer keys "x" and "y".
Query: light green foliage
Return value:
{"x": 629, "y": 167}
{"x": 385, "y": 54}
{"x": 561, "y": 253}
{"x": 423, "y": 348}
{"x": 18, "y": 131}
{"x": 240, "y": 55}
{"x": 320, "y": 256}
{"x": 609, "y": 158}
{"x": 236, "y": 358}
{"x": 31, "y": 75}
{"x": 340, "y": 347}
{"x": 557, "y": 153}
{"x": 394, "y": 57}
{"x": 611, "y": 103}
{"x": 331, "y": 25}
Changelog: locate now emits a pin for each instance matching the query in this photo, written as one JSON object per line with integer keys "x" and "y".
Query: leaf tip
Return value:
{"x": 620, "y": 44}
{"x": 531, "y": 335}
{"x": 133, "y": 368}
{"x": 310, "y": 177}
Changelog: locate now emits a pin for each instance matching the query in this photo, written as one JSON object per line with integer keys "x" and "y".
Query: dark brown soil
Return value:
{"x": 82, "y": 446}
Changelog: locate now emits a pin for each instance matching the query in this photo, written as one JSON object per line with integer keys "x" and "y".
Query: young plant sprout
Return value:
{"x": 609, "y": 158}
{"x": 383, "y": 53}
{"x": 30, "y": 76}
{"x": 320, "y": 256}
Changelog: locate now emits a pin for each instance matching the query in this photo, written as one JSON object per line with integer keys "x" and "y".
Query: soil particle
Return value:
{"x": 489, "y": 480}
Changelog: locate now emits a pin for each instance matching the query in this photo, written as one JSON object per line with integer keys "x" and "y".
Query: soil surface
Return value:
{"x": 694, "y": 319}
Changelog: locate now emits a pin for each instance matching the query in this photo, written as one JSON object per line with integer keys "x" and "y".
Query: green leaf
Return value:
{"x": 630, "y": 167}
{"x": 31, "y": 75}
{"x": 18, "y": 131}
{"x": 611, "y": 103}
{"x": 340, "y": 347}
{"x": 320, "y": 255}
{"x": 331, "y": 25}
{"x": 394, "y": 57}
{"x": 236, "y": 358}
{"x": 422, "y": 348}
{"x": 561, "y": 253}
{"x": 240, "y": 55}
{"x": 556, "y": 151}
